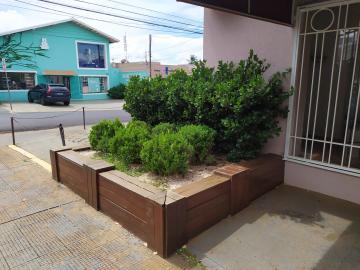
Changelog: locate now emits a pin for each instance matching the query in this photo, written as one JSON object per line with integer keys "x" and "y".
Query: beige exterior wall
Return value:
{"x": 156, "y": 67}
{"x": 229, "y": 37}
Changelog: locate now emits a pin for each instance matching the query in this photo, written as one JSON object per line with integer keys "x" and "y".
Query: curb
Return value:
{"x": 33, "y": 158}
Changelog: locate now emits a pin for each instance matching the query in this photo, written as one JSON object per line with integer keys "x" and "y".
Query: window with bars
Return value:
{"x": 325, "y": 124}
{"x": 17, "y": 80}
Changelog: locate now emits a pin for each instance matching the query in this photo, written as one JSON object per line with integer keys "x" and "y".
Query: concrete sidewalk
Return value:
{"x": 40, "y": 142}
{"x": 43, "y": 225}
{"x": 286, "y": 229}
{"x": 22, "y": 107}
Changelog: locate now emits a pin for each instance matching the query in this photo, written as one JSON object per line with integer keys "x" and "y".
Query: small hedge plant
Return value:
{"x": 201, "y": 138}
{"x": 166, "y": 154}
{"x": 164, "y": 149}
{"x": 117, "y": 92}
{"x": 128, "y": 142}
{"x": 163, "y": 128}
{"x": 101, "y": 134}
{"x": 235, "y": 99}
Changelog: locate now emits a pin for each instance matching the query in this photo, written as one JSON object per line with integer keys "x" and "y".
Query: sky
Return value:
{"x": 170, "y": 44}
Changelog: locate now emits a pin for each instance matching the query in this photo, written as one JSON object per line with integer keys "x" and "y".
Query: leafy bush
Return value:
{"x": 128, "y": 142}
{"x": 166, "y": 154}
{"x": 157, "y": 100}
{"x": 117, "y": 92}
{"x": 234, "y": 99}
{"x": 201, "y": 138}
{"x": 163, "y": 128}
{"x": 101, "y": 134}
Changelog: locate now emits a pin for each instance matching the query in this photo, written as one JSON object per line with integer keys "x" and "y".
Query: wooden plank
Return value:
{"x": 202, "y": 209}
{"x": 112, "y": 176}
{"x": 54, "y": 167}
{"x": 198, "y": 186}
{"x": 158, "y": 238}
{"x": 208, "y": 194}
{"x": 73, "y": 176}
{"x": 54, "y": 162}
{"x": 135, "y": 181}
{"x": 240, "y": 191}
{"x": 128, "y": 199}
{"x": 175, "y": 223}
{"x": 208, "y": 217}
{"x": 125, "y": 218}
{"x": 74, "y": 157}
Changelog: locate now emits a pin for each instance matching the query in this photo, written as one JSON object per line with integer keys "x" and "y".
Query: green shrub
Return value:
{"x": 166, "y": 154}
{"x": 128, "y": 142}
{"x": 117, "y": 92}
{"x": 163, "y": 128}
{"x": 234, "y": 99}
{"x": 201, "y": 138}
{"x": 101, "y": 133}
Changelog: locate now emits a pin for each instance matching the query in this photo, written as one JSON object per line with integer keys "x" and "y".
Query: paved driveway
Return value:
{"x": 43, "y": 225}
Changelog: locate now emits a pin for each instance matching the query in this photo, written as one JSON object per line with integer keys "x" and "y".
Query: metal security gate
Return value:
{"x": 324, "y": 120}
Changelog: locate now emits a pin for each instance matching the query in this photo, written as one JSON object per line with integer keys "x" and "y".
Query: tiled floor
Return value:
{"x": 43, "y": 225}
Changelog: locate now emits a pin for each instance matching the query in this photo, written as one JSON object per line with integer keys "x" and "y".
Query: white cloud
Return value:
{"x": 169, "y": 48}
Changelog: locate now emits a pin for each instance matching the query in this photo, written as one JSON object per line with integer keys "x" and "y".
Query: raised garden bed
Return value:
{"x": 165, "y": 219}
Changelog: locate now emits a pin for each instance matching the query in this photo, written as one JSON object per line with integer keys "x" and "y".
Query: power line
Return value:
{"x": 151, "y": 10}
{"x": 61, "y": 13}
{"x": 123, "y": 17}
{"x": 136, "y": 13}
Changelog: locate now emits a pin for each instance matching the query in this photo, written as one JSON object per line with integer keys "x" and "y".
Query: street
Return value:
{"x": 51, "y": 116}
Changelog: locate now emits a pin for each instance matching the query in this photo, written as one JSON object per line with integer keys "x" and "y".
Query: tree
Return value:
{"x": 193, "y": 59}
{"x": 15, "y": 53}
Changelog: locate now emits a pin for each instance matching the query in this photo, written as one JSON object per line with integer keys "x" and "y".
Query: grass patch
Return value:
{"x": 191, "y": 258}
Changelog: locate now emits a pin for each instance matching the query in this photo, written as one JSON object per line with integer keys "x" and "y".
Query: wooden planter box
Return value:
{"x": 166, "y": 220}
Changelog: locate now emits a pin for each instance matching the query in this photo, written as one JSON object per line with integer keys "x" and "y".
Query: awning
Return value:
{"x": 278, "y": 11}
{"x": 59, "y": 72}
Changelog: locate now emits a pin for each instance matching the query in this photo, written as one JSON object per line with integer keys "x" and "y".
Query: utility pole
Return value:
{"x": 125, "y": 48}
{"x": 3, "y": 61}
{"x": 146, "y": 61}
{"x": 150, "y": 56}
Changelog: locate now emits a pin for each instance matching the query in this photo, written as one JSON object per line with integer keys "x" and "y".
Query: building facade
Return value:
{"x": 77, "y": 56}
{"x": 319, "y": 40}
{"x": 143, "y": 69}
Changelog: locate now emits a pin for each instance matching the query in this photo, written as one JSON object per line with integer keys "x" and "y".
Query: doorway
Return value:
{"x": 65, "y": 80}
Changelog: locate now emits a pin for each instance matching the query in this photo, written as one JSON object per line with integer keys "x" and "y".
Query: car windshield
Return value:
{"x": 56, "y": 85}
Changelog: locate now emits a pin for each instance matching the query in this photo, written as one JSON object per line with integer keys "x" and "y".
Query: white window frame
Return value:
{"x": 102, "y": 76}
{"x": 91, "y": 42}
{"x": 21, "y": 71}
{"x": 294, "y": 159}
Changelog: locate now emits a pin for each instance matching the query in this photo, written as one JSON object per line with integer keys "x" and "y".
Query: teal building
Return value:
{"x": 77, "y": 55}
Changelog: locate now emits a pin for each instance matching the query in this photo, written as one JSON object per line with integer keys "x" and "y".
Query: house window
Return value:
{"x": 93, "y": 84}
{"x": 17, "y": 80}
{"x": 91, "y": 55}
{"x": 325, "y": 124}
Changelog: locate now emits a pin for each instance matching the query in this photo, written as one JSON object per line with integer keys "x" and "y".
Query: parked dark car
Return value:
{"x": 49, "y": 93}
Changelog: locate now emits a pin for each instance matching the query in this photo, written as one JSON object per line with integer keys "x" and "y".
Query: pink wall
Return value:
{"x": 334, "y": 184}
{"x": 229, "y": 37}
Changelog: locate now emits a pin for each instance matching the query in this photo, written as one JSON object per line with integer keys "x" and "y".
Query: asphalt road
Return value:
{"x": 46, "y": 120}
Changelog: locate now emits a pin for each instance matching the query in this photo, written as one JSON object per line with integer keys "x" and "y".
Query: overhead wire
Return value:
{"x": 120, "y": 16}
{"x": 152, "y": 10}
{"x": 62, "y": 13}
{"x": 137, "y": 13}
